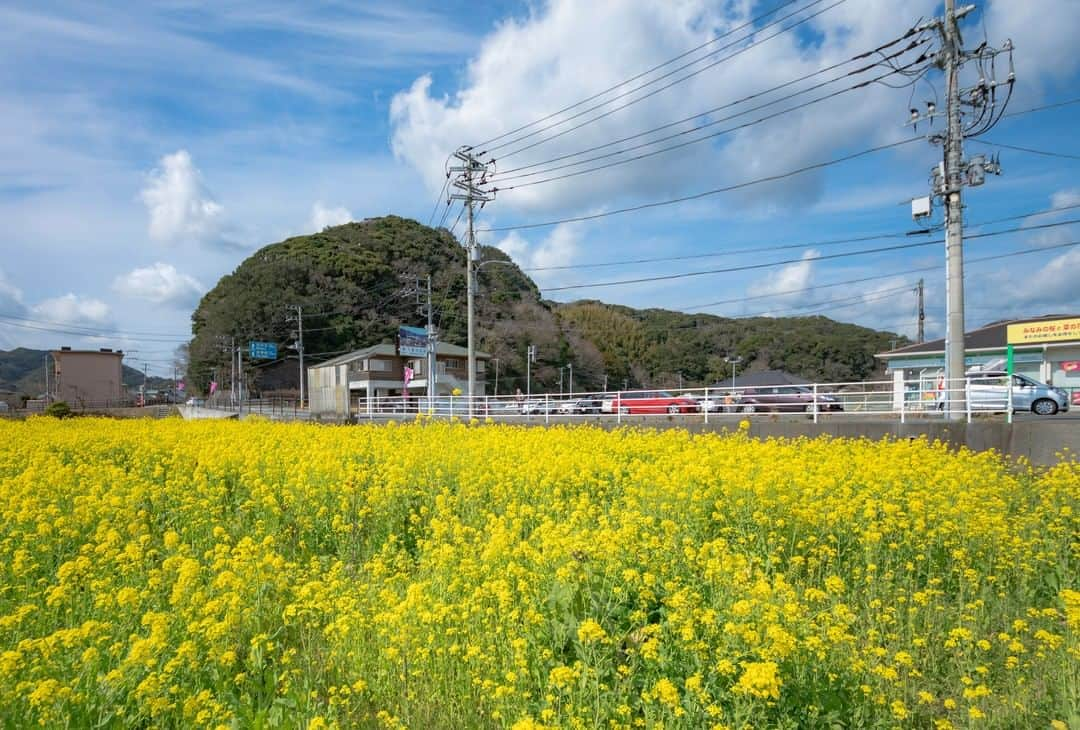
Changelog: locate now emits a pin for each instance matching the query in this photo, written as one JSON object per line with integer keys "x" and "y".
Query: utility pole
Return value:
{"x": 922, "y": 313}
{"x": 45, "y": 357}
{"x": 472, "y": 176}
{"x": 605, "y": 382}
{"x": 431, "y": 390}
{"x": 299, "y": 345}
{"x": 496, "y": 361}
{"x": 955, "y": 172}
{"x": 560, "y": 379}
{"x": 144, "y": 367}
{"x": 571, "y": 366}
{"x": 530, "y": 358}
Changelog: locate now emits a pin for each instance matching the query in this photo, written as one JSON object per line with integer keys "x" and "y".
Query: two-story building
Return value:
{"x": 88, "y": 377}
{"x": 364, "y": 380}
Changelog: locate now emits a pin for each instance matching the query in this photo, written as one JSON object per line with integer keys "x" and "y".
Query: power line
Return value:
{"x": 1027, "y": 149}
{"x": 505, "y": 176}
{"x": 641, "y": 75}
{"x": 724, "y": 106}
{"x": 707, "y": 193}
{"x": 654, "y": 92}
{"x": 680, "y": 145}
{"x": 921, "y": 269}
{"x": 861, "y": 238}
{"x": 820, "y": 257}
{"x": 1043, "y": 108}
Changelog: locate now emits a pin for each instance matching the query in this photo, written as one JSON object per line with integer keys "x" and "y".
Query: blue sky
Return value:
{"x": 145, "y": 151}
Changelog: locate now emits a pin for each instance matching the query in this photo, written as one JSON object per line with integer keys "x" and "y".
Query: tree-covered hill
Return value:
{"x": 358, "y": 282}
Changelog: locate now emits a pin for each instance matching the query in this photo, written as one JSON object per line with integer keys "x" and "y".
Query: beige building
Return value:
{"x": 352, "y": 384}
{"x": 87, "y": 377}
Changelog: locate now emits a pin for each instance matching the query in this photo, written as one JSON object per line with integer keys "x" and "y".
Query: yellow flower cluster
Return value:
{"x": 450, "y": 575}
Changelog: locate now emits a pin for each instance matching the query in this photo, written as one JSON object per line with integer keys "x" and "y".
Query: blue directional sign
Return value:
{"x": 262, "y": 351}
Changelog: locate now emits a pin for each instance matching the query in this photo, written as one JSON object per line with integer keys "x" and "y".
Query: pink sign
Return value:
{"x": 408, "y": 376}
{"x": 1070, "y": 366}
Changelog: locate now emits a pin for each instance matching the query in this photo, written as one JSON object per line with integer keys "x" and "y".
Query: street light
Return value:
{"x": 734, "y": 362}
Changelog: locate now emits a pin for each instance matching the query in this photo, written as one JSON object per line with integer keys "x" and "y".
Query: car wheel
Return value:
{"x": 809, "y": 408}
{"x": 625, "y": 410}
{"x": 749, "y": 409}
{"x": 1044, "y": 407}
{"x": 673, "y": 409}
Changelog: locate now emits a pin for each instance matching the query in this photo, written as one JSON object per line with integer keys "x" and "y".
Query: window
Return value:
{"x": 454, "y": 364}
{"x": 376, "y": 365}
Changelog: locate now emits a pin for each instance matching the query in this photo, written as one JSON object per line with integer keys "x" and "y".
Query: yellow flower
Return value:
{"x": 759, "y": 679}
{"x": 590, "y": 632}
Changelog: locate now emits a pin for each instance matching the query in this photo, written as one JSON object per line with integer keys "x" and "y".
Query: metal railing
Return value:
{"x": 911, "y": 399}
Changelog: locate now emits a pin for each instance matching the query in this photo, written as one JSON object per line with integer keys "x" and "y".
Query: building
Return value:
{"x": 1055, "y": 360}
{"x": 353, "y": 383}
{"x": 87, "y": 377}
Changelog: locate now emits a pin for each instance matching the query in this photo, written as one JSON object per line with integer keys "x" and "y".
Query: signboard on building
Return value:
{"x": 412, "y": 341}
{"x": 1048, "y": 330}
{"x": 262, "y": 350}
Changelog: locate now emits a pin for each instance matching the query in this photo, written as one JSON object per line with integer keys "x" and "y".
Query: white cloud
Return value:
{"x": 1043, "y": 32}
{"x": 160, "y": 283}
{"x": 321, "y": 216}
{"x": 11, "y": 297}
{"x": 1065, "y": 198}
{"x": 74, "y": 310}
{"x": 527, "y": 68}
{"x": 790, "y": 278}
{"x": 180, "y": 207}
{"x": 559, "y": 248}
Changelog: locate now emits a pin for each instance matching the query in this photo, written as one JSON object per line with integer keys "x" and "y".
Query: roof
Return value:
{"x": 69, "y": 351}
{"x": 990, "y": 336}
{"x": 765, "y": 377}
{"x": 387, "y": 349}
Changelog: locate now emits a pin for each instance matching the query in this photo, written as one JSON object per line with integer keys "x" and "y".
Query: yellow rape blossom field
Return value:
{"x": 434, "y": 575}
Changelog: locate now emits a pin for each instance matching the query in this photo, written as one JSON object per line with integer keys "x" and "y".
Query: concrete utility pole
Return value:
{"x": 471, "y": 179}
{"x": 46, "y": 359}
{"x": 300, "y": 345}
{"x": 496, "y": 361}
{"x": 431, "y": 391}
{"x": 922, "y": 313}
{"x": 571, "y": 366}
{"x": 955, "y": 172}
{"x": 954, "y": 232}
{"x": 530, "y": 358}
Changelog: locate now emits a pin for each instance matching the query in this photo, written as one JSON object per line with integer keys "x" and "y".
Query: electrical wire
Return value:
{"x": 1043, "y": 108}
{"x": 641, "y": 75}
{"x": 820, "y": 257}
{"x": 1029, "y": 150}
{"x": 497, "y": 180}
{"x": 707, "y": 193}
{"x": 652, "y": 93}
{"x": 718, "y": 108}
{"x": 861, "y": 238}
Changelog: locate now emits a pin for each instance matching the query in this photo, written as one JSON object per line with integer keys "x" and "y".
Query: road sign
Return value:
{"x": 412, "y": 341}
{"x": 262, "y": 351}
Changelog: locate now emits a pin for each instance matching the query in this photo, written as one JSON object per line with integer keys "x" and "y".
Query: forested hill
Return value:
{"x": 358, "y": 282}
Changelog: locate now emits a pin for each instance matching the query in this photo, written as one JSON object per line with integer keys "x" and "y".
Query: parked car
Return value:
{"x": 785, "y": 398}
{"x": 540, "y": 406}
{"x": 717, "y": 402}
{"x": 652, "y": 401}
{"x": 988, "y": 391}
{"x": 580, "y": 406}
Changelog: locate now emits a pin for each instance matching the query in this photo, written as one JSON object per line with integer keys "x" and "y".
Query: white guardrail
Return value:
{"x": 920, "y": 399}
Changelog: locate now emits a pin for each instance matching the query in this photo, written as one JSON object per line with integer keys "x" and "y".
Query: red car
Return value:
{"x": 652, "y": 401}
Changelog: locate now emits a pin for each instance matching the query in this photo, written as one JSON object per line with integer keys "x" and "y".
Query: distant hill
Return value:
{"x": 22, "y": 371}
{"x": 358, "y": 282}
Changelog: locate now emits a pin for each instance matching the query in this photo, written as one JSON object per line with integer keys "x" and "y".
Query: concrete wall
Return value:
{"x": 1041, "y": 441}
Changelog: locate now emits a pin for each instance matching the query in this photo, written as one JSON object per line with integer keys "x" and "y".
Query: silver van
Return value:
{"x": 988, "y": 391}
